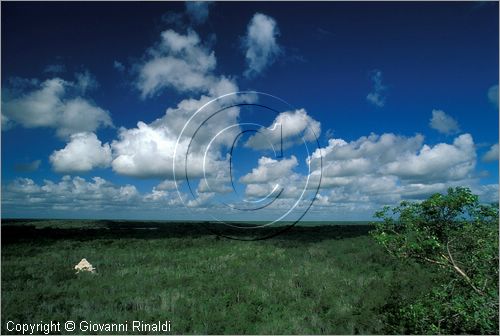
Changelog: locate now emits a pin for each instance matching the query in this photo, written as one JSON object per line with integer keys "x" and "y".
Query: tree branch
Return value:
{"x": 460, "y": 271}
{"x": 431, "y": 261}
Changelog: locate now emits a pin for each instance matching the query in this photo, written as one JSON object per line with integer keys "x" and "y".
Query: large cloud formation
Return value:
{"x": 371, "y": 170}
{"x": 363, "y": 174}
{"x": 384, "y": 169}
{"x": 148, "y": 150}
{"x": 74, "y": 196}
{"x": 357, "y": 176}
{"x": 55, "y": 103}
{"x": 406, "y": 158}
{"x": 182, "y": 63}
{"x": 178, "y": 62}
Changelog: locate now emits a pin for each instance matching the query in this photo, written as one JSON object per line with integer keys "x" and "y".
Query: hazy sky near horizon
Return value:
{"x": 384, "y": 102}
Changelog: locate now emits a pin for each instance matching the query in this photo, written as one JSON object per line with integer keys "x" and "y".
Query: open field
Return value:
{"x": 330, "y": 279}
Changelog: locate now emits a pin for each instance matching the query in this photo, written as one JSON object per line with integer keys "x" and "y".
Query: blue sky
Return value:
{"x": 400, "y": 100}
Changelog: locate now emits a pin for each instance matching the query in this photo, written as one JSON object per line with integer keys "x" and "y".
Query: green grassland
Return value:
{"x": 311, "y": 279}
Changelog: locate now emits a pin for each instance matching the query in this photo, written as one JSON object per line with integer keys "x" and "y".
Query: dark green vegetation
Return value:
{"x": 440, "y": 275}
{"x": 458, "y": 237}
{"x": 309, "y": 280}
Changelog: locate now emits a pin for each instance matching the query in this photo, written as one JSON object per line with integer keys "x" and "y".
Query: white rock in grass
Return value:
{"x": 84, "y": 266}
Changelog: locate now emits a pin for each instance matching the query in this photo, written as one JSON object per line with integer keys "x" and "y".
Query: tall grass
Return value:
{"x": 311, "y": 280}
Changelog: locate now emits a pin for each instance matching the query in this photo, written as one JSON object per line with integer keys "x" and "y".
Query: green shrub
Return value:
{"x": 459, "y": 237}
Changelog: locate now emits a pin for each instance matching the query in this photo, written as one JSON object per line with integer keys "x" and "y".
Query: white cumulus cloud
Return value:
{"x": 442, "y": 162}
{"x": 273, "y": 176}
{"x": 261, "y": 46}
{"x": 83, "y": 153}
{"x": 148, "y": 150}
{"x": 179, "y": 62}
{"x": 56, "y": 103}
{"x": 270, "y": 170}
{"x": 70, "y": 194}
{"x": 384, "y": 169}
{"x": 443, "y": 123}
{"x": 293, "y": 127}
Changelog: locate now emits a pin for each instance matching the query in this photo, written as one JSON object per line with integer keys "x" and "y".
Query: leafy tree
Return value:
{"x": 459, "y": 237}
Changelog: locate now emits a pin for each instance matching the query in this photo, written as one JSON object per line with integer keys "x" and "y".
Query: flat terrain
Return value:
{"x": 310, "y": 280}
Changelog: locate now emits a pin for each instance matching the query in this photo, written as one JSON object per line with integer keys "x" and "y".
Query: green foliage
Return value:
{"x": 459, "y": 237}
{"x": 315, "y": 280}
